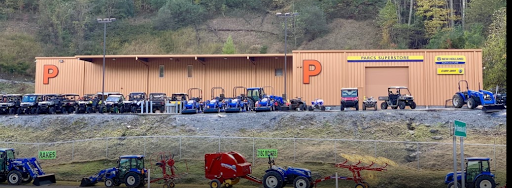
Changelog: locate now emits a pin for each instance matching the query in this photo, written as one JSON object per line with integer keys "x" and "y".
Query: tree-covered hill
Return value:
{"x": 30, "y": 28}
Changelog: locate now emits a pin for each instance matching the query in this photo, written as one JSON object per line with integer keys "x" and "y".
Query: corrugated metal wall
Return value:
{"x": 127, "y": 75}
{"x": 69, "y": 79}
{"x": 426, "y": 86}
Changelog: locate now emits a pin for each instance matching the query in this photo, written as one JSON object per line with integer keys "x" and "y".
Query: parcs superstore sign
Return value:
{"x": 384, "y": 58}
{"x": 450, "y": 59}
{"x": 450, "y": 70}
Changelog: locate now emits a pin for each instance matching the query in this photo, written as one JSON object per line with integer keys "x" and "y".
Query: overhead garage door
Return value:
{"x": 377, "y": 80}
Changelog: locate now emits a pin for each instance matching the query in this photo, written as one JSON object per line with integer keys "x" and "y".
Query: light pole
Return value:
{"x": 286, "y": 16}
{"x": 104, "y": 21}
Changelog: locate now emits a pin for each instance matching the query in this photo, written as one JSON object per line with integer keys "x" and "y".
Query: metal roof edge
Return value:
{"x": 387, "y": 50}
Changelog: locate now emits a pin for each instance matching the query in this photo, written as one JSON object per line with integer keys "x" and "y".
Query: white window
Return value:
{"x": 189, "y": 69}
{"x": 162, "y": 71}
{"x": 279, "y": 72}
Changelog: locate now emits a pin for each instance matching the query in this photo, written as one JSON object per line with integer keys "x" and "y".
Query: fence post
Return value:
{"x": 335, "y": 151}
{"x": 144, "y": 146}
{"x": 494, "y": 150}
{"x": 141, "y": 107}
{"x": 106, "y": 148}
{"x": 37, "y": 154}
{"x": 219, "y": 143}
{"x": 253, "y": 145}
{"x": 180, "y": 147}
{"x": 418, "y": 154}
{"x": 294, "y": 149}
{"x": 73, "y": 151}
{"x": 375, "y": 147}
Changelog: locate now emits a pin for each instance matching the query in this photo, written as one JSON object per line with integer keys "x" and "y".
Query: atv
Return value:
{"x": 158, "y": 101}
{"x": 298, "y": 104}
{"x": 135, "y": 99}
{"x": 29, "y": 104}
{"x": 10, "y": 103}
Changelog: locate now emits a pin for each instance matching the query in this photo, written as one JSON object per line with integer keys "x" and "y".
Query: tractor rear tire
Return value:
{"x": 485, "y": 182}
{"x": 457, "y": 101}
{"x": 384, "y": 105}
{"x": 412, "y": 105}
{"x": 132, "y": 180}
{"x": 451, "y": 185}
{"x": 14, "y": 177}
{"x": 272, "y": 179}
{"x": 401, "y": 104}
{"x": 472, "y": 103}
{"x": 301, "y": 182}
{"x": 215, "y": 183}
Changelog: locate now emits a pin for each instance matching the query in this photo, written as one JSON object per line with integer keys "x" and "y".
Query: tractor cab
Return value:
{"x": 6, "y": 154}
{"x": 131, "y": 163}
{"x": 477, "y": 174}
{"x": 255, "y": 93}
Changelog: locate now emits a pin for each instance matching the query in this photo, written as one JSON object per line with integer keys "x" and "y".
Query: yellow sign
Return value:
{"x": 392, "y": 58}
{"x": 450, "y": 70}
{"x": 450, "y": 59}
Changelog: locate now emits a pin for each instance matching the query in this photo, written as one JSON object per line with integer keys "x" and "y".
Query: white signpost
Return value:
{"x": 459, "y": 130}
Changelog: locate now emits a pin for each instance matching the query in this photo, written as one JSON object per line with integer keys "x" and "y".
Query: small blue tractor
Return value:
{"x": 130, "y": 170}
{"x": 475, "y": 98}
{"x": 238, "y": 103}
{"x": 277, "y": 177}
{"x": 194, "y": 105}
{"x": 215, "y": 105}
{"x": 22, "y": 170}
{"x": 477, "y": 174}
{"x": 265, "y": 102}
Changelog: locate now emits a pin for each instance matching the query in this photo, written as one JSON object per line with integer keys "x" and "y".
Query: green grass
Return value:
{"x": 392, "y": 177}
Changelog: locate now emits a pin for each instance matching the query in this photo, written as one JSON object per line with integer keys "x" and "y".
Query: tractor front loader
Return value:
{"x": 130, "y": 171}
{"x": 22, "y": 170}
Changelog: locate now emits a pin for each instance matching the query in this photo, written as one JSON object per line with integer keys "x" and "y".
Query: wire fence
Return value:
{"x": 416, "y": 155}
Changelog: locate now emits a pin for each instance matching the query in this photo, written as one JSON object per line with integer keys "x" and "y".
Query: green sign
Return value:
{"x": 263, "y": 153}
{"x": 460, "y": 128}
{"x": 47, "y": 154}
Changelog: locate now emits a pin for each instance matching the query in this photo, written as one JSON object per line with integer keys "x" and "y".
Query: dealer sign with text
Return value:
{"x": 450, "y": 59}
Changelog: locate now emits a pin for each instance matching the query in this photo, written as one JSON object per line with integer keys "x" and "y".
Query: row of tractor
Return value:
{"x": 225, "y": 169}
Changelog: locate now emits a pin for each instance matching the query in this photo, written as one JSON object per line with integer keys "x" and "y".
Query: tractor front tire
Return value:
{"x": 301, "y": 182}
{"x": 457, "y": 101}
{"x": 14, "y": 177}
{"x": 401, "y": 105}
{"x": 412, "y": 105}
{"x": 384, "y": 105}
{"x": 472, "y": 103}
{"x": 485, "y": 182}
{"x": 26, "y": 178}
{"x": 109, "y": 182}
{"x": 132, "y": 180}
{"x": 215, "y": 183}
{"x": 272, "y": 179}
{"x": 451, "y": 185}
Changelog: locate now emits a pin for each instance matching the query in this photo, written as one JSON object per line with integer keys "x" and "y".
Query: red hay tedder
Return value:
{"x": 226, "y": 169}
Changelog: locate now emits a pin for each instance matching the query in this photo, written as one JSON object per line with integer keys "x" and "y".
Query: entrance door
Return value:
{"x": 378, "y": 79}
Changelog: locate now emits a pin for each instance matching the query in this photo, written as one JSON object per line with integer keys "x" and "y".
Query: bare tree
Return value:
{"x": 410, "y": 12}
{"x": 452, "y": 22}
{"x": 463, "y": 12}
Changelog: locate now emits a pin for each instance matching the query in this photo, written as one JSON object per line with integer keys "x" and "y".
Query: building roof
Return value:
{"x": 199, "y": 57}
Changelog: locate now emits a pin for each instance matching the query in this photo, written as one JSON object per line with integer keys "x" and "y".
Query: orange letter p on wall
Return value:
{"x": 50, "y": 71}
{"x": 307, "y": 72}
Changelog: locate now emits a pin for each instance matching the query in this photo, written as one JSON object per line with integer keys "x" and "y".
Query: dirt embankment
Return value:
{"x": 397, "y": 125}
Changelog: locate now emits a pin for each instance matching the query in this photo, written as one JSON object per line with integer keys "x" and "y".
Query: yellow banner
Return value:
{"x": 450, "y": 59}
{"x": 450, "y": 70}
{"x": 385, "y": 58}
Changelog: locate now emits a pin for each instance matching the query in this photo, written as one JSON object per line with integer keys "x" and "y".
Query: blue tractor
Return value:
{"x": 475, "y": 98}
{"x": 194, "y": 105}
{"x": 278, "y": 177}
{"x": 477, "y": 174}
{"x": 238, "y": 103}
{"x": 264, "y": 102}
{"x": 216, "y": 104}
{"x": 130, "y": 171}
{"x": 22, "y": 170}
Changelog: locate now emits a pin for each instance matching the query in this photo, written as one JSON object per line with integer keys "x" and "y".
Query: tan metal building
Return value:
{"x": 431, "y": 75}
